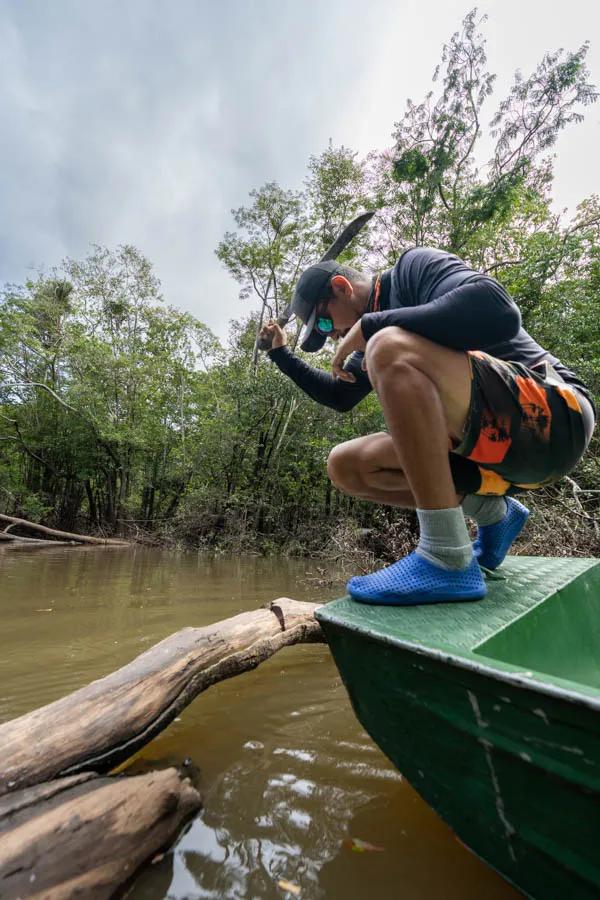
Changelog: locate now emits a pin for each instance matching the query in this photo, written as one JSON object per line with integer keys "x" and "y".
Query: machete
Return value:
{"x": 341, "y": 242}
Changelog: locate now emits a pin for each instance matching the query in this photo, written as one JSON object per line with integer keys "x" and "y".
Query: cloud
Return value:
{"x": 146, "y": 122}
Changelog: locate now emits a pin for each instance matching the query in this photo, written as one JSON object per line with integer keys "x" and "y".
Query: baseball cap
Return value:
{"x": 312, "y": 286}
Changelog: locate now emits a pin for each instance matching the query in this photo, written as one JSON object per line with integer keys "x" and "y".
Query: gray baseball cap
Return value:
{"x": 313, "y": 286}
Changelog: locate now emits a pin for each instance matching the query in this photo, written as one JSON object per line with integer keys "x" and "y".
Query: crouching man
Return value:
{"x": 475, "y": 410}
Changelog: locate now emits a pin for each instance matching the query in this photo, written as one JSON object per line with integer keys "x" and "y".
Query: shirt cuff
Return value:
{"x": 278, "y": 352}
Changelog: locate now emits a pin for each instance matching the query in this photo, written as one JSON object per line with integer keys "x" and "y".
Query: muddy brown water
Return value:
{"x": 286, "y": 772}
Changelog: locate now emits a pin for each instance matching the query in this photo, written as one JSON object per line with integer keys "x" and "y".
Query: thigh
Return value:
{"x": 448, "y": 369}
{"x": 372, "y": 451}
{"x": 523, "y": 431}
{"x": 375, "y": 453}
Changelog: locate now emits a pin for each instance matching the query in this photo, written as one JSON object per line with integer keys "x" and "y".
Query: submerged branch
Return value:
{"x": 104, "y": 723}
{"x": 86, "y": 836}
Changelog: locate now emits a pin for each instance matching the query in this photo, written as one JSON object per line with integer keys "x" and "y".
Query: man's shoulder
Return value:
{"x": 423, "y": 254}
{"x": 430, "y": 262}
{"x": 420, "y": 271}
{"x": 415, "y": 263}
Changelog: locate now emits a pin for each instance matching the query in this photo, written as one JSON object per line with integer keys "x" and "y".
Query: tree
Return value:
{"x": 97, "y": 388}
{"x": 119, "y": 408}
{"x": 431, "y": 188}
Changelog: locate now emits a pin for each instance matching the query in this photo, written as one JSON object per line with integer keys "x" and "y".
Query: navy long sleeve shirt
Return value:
{"x": 434, "y": 294}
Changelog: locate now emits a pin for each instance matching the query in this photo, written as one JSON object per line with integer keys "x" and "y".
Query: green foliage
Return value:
{"x": 334, "y": 194}
{"x": 116, "y": 409}
{"x": 434, "y": 191}
{"x": 411, "y": 166}
{"x": 97, "y": 388}
{"x": 265, "y": 260}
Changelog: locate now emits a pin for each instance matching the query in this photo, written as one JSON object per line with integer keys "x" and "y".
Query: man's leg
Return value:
{"x": 367, "y": 468}
{"x": 425, "y": 393}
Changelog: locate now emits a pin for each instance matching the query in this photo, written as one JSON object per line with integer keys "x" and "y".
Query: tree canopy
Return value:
{"x": 118, "y": 411}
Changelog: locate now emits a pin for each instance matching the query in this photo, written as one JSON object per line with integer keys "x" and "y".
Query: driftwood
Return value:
{"x": 26, "y": 540}
{"x": 65, "y": 535}
{"x": 86, "y": 836}
{"x": 15, "y": 540}
{"x": 104, "y": 723}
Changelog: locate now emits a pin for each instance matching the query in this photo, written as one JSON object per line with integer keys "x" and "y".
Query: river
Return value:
{"x": 287, "y": 775}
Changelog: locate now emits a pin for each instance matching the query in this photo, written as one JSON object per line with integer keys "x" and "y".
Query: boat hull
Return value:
{"x": 507, "y": 756}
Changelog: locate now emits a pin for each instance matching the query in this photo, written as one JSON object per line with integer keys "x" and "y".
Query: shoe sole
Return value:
{"x": 416, "y": 600}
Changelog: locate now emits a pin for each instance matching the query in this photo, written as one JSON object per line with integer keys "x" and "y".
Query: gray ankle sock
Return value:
{"x": 444, "y": 538}
{"x": 485, "y": 510}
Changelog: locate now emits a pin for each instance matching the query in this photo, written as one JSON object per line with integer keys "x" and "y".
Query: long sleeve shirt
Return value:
{"x": 438, "y": 296}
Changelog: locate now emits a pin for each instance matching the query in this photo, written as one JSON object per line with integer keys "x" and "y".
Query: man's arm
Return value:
{"x": 466, "y": 318}
{"x": 321, "y": 386}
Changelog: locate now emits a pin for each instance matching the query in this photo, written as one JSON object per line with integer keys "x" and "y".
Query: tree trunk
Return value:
{"x": 86, "y": 836}
{"x": 104, "y": 723}
{"x": 110, "y": 513}
{"x": 91, "y": 502}
{"x": 328, "y": 487}
{"x": 174, "y": 501}
{"x": 66, "y": 535}
{"x": 69, "y": 504}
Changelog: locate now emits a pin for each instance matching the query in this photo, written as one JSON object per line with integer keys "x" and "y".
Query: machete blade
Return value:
{"x": 341, "y": 242}
{"x": 347, "y": 235}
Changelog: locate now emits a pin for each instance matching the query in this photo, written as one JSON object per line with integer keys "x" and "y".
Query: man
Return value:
{"x": 475, "y": 409}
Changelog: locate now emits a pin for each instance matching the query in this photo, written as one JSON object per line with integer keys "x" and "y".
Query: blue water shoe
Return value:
{"x": 494, "y": 541}
{"x": 415, "y": 580}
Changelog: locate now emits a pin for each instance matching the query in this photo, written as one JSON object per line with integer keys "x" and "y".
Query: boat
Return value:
{"x": 491, "y": 710}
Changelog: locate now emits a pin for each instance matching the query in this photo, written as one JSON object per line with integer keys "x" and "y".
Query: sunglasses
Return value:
{"x": 324, "y": 325}
{"x": 323, "y": 322}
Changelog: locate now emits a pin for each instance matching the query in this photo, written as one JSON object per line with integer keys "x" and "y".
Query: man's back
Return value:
{"x": 420, "y": 294}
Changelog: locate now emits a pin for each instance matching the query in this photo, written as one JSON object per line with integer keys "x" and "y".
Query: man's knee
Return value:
{"x": 391, "y": 347}
{"x": 343, "y": 466}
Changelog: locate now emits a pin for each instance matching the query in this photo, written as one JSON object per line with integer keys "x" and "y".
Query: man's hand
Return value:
{"x": 272, "y": 332}
{"x": 354, "y": 340}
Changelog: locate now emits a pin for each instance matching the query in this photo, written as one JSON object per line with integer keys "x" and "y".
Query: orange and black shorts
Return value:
{"x": 525, "y": 428}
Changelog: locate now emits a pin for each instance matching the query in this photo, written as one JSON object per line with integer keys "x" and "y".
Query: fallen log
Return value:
{"x": 65, "y": 535}
{"x": 13, "y": 539}
{"x": 101, "y": 725}
{"x": 87, "y": 836}
{"x": 19, "y": 546}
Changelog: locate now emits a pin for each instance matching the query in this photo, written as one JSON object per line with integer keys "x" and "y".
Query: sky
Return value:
{"x": 145, "y": 122}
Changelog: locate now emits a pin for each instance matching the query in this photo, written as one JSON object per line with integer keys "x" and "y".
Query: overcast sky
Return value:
{"x": 145, "y": 122}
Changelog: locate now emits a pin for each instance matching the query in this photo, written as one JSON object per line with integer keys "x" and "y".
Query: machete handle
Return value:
{"x": 264, "y": 343}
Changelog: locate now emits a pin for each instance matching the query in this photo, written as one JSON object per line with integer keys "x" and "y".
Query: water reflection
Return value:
{"x": 280, "y": 811}
{"x": 285, "y": 770}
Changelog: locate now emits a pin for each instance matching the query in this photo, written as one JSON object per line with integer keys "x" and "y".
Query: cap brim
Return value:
{"x": 313, "y": 340}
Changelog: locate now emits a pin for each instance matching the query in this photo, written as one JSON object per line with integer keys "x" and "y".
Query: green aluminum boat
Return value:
{"x": 491, "y": 710}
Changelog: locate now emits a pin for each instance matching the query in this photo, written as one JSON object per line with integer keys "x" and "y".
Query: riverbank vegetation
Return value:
{"x": 120, "y": 414}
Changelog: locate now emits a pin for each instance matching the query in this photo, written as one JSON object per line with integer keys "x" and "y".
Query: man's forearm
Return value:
{"x": 319, "y": 385}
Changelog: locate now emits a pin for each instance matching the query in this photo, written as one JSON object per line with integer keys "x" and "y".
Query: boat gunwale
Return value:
{"x": 466, "y": 661}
